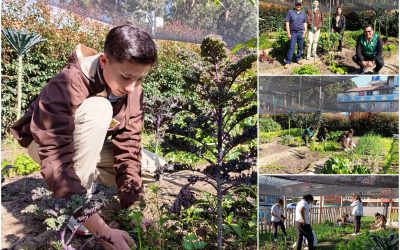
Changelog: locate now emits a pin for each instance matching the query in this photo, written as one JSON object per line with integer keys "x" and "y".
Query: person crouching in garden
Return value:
{"x": 346, "y": 140}
{"x": 277, "y": 218}
{"x": 369, "y": 51}
{"x": 379, "y": 223}
{"x": 296, "y": 28}
{"x": 94, "y": 96}
{"x": 302, "y": 222}
{"x": 338, "y": 26}
{"x": 308, "y": 135}
{"x": 315, "y": 20}
{"x": 357, "y": 213}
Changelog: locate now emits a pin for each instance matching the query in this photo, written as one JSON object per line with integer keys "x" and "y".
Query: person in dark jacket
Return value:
{"x": 369, "y": 50}
{"x": 95, "y": 95}
{"x": 338, "y": 26}
{"x": 315, "y": 20}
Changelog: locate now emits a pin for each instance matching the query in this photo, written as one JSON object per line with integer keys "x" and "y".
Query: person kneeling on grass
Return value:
{"x": 65, "y": 129}
{"x": 308, "y": 135}
{"x": 277, "y": 218}
{"x": 369, "y": 50}
{"x": 379, "y": 223}
{"x": 322, "y": 133}
{"x": 346, "y": 140}
{"x": 342, "y": 220}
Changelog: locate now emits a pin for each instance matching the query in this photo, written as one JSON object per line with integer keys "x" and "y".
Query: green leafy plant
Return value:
{"x": 23, "y": 165}
{"x": 385, "y": 243}
{"x": 268, "y": 125}
{"x": 390, "y": 47}
{"x": 338, "y": 69}
{"x": 306, "y": 70}
{"x": 192, "y": 242}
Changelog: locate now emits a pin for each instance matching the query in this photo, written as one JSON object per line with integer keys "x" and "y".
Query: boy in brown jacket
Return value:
{"x": 95, "y": 95}
{"x": 315, "y": 20}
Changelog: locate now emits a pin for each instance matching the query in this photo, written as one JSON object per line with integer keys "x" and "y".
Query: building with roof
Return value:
{"x": 378, "y": 96}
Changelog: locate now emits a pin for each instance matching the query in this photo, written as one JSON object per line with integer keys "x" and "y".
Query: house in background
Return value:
{"x": 378, "y": 96}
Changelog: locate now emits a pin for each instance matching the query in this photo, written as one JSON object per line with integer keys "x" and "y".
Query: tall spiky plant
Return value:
{"x": 219, "y": 122}
{"x": 21, "y": 41}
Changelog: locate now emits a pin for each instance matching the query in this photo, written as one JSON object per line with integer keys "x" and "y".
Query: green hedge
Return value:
{"x": 384, "y": 124}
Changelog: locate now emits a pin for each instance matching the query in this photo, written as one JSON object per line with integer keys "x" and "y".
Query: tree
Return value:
{"x": 21, "y": 41}
{"x": 218, "y": 121}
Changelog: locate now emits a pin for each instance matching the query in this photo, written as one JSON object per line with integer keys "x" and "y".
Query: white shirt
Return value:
{"x": 358, "y": 208}
{"x": 298, "y": 216}
{"x": 277, "y": 211}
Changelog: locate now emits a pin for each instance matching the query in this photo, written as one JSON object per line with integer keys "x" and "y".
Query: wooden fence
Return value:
{"x": 393, "y": 216}
{"x": 317, "y": 216}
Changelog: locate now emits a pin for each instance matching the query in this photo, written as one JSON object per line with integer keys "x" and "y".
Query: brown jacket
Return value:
{"x": 50, "y": 122}
{"x": 318, "y": 18}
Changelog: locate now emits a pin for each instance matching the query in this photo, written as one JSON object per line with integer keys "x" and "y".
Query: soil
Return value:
{"x": 345, "y": 58}
{"x": 281, "y": 159}
{"x": 23, "y": 231}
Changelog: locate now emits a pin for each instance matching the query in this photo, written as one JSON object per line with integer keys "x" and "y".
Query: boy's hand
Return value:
{"x": 116, "y": 239}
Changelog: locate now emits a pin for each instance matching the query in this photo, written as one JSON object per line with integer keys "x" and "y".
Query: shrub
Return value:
{"x": 272, "y": 17}
{"x": 390, "y": 47}
{"x": 268, "y": 125}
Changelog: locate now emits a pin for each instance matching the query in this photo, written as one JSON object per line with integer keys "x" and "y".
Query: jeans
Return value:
{"x": 297, "y": 37}
{"x": 304, "y": 230}
{"x": 276, "y": 225}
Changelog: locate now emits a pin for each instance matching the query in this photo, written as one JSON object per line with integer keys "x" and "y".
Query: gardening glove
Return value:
{"x": 115, "y": 239}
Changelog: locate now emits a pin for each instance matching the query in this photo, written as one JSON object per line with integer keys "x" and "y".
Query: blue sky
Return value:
{"x": 363, "y": 81}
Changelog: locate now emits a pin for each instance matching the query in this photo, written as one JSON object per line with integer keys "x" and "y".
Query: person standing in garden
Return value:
{"x": 96, "y": 95}
{"x": 315, "y": 20}
{"x": 277, "y": 218}
{"x": 302, "y": 222}
{"x": 369, "y": 51}
{"x": 357, "y": 213}
{"x": 338, "y": 26}
{"x": 296, "y": 28}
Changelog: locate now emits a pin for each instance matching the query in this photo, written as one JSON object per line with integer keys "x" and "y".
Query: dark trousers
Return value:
{"x": 357, "y": 224}
{"x": 377, "y": 59}
{"x": 276, "y": 225}
{"x": 304, "y": 230}
{"x": 297, "y": 37}
{"x": 340, "y": 39}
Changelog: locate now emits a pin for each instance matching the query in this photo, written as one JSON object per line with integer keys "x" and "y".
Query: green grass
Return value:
{"x": 329, "y": 235}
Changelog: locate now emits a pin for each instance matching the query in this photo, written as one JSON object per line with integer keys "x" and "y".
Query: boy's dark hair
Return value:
{"x": 129, "y": 43}
{"x": 308, "y": 197}
{"x": 280, "y": 201}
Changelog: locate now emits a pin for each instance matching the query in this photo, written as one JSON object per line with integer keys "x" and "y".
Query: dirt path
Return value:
{"x": 275, "y": 158}
{"x": 344, "y": 58}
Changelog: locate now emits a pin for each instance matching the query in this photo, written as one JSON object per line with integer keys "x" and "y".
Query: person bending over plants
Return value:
{"x": 379, "y": 223}
{"x": 369, "y": 51}
{"x": 346, "y": 139}
{"x": 308, "y": 135}
{"x": 65, "y": 129}
{"x": 322, "y": 133}
{"x": 277, "y": 218}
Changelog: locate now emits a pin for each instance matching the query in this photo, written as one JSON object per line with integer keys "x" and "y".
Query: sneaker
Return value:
{"x": 300, "y": 62}
{"x": 286, "y": 65}
{"x": 275, "y": 240}
{"x": 354, "y": 234}
{"x": 82, "y": 230}
{"x": 363, "y": 71}
{"x": 358, "y": 233}
{"x": 308, "y": 57}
